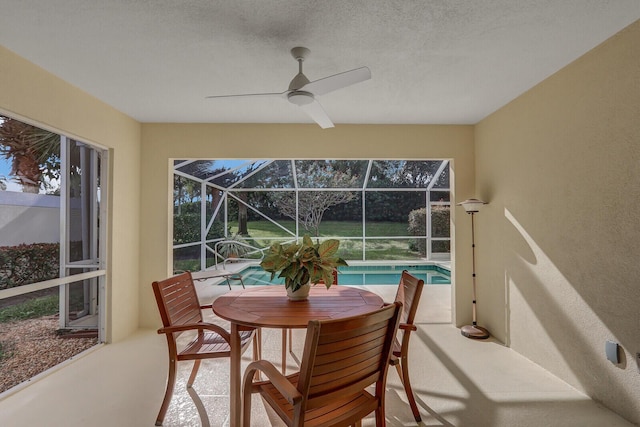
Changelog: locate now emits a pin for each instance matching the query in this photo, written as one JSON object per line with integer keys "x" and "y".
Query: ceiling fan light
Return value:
{"x": 300, "y": 98}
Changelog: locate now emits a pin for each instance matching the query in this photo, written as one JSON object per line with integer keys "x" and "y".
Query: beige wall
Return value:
{"x": 29, "y": 93}
{"x": 160, "y": 142}
{"x": 558, "y": 266}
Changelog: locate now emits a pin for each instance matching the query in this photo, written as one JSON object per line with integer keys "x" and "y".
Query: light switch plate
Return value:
{"x": 611, "y": 348}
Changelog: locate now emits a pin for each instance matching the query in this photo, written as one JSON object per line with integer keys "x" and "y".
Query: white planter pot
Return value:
{"x": 302, "y": 294}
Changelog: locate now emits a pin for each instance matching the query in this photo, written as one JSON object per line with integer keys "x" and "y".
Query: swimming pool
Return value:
{"x": 364, "y": 274}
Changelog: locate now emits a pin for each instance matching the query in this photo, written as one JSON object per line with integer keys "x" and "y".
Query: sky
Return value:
{"x": 5, "y": 167}
{"x": 5, "y": 170}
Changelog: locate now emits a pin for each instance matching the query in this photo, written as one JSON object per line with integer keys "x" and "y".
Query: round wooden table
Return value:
{"x": 269, "y": 307}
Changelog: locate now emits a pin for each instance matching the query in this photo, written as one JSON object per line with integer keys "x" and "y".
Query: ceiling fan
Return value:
{"x": 303, "y": 93}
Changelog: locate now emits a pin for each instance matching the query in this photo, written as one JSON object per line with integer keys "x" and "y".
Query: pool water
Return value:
{"x": 363, "y": 275}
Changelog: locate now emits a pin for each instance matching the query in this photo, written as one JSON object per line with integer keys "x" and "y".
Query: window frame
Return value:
{"x": 99, "y": 264}
{"x": 207, "y": 245}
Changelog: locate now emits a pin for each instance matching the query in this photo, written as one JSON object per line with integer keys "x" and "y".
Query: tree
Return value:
{"x": 311, "y": 205}
{"x": 34, "y": 153}
{"x": 177, "y": 193}
{"x": 243, "y": 213}
{"x": 243, "y": 226}
{"x": 404, "y": 173}
{"x": 184, "y": 191}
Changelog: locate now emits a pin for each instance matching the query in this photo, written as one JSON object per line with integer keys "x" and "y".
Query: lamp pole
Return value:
{"x": 472, "y": 206}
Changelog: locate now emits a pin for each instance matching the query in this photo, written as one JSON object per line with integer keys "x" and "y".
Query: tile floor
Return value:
{"x": 457, "y": 381}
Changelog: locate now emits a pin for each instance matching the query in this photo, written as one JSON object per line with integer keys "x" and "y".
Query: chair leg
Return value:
{"x": 284, "y": 352}
{"x": 246, "y": 404}
{"x": 171, "y": 382}
{"x": 194, "y": 372}
{"x": 380, "y": 417}
{"x": 289, "y": 339}
{"x": 291, "y": 352}
{"x": 257, "y": 345}
{"x": 404, "y": 377}
{"x": 257, "y": 351}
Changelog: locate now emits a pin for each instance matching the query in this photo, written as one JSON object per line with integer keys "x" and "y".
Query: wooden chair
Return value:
{"x": 409, "y": 292}
{"x": 341, "y": 359}
{"x": 181, "y": 312}
{"x": 289, "y": 333}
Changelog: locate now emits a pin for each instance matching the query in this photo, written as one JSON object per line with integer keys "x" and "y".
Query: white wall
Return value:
{"x": 28, "y": 218}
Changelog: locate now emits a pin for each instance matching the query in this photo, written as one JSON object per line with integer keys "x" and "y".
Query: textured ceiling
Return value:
{"x": 432, "y": 61}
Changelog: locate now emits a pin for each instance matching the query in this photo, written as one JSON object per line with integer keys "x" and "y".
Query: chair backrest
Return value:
{"x": 409, "y": 292}
{"x": 177, "y": 300}
{"x": 342, "y": 357}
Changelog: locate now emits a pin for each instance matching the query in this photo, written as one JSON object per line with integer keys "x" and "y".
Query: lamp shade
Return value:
{"x": 472, "y": 205}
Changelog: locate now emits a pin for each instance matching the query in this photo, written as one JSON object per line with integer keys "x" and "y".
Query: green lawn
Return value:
{"x": 263, "y": 233}
{"x": 267, "y": 229}
{"x": 37, "y": 307}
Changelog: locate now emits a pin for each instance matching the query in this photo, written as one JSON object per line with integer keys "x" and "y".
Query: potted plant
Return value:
{"x": 303, "y": 264}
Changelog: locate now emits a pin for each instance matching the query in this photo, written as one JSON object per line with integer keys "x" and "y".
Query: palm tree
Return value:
{"x": 34, "y": 152}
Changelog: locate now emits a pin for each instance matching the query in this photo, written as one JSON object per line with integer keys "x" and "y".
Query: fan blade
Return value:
{"x": 337, "y": 81}
{"x": 317, "y": 113}
{"x": 249, "y": 95}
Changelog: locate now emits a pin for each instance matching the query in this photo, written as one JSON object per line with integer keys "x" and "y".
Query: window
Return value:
{"x": 379, "y": 209}
{"x": 52, "y": 267}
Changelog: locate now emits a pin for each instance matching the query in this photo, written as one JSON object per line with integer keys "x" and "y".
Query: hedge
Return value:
{"x": 440, "y": 226}
{"x": 24, "y": 264}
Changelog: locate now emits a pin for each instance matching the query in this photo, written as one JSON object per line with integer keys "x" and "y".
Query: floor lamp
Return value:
{"x": 472, "y": 207}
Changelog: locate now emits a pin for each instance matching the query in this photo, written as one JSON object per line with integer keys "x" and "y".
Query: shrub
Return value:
{"x": 440, "y": 227}
{"x": 440, "y": 224}
{"x": 186, "y": 228}
{"x": 24, "y": 264}
{"x": 418, "y": 227}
